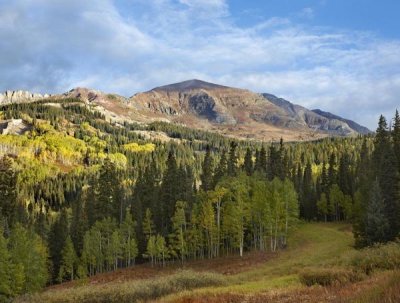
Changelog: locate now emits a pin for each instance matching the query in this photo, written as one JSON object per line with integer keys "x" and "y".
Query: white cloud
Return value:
{"x": 54, "y": 45}
{"x": 307, "y": 13}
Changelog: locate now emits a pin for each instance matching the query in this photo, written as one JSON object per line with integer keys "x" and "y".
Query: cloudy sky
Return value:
{"x": 342, "y": 56}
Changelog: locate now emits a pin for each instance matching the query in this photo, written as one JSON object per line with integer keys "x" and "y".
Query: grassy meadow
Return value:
{"x": 320, "y": 265}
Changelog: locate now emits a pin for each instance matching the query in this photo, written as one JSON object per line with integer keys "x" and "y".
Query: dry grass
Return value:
{"x": 380, "y": 288}
{"x": 320, "y": 255}
{"x": 128, "y": 292}
{"x": 329, "y": 276}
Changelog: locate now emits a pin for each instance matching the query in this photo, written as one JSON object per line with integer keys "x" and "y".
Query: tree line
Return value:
{"x": 127, "y": 199}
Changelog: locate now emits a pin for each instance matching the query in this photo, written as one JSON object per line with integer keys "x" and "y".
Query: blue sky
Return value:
{"x": 338, "y": 55}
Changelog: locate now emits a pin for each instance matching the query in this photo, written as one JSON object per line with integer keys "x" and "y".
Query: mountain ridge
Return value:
{"x": 226, "y": 110}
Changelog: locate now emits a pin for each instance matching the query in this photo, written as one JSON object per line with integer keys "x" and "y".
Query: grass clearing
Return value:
{"x": 319, "y": 254}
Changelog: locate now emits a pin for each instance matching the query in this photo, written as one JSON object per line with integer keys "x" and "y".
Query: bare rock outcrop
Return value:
{"x": 19, "y": 96}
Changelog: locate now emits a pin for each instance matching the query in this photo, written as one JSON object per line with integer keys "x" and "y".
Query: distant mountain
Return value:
{"x": 318, "y": 119}
{"x": 17, "y": 96}
{"x": 237, "y": 112}
{"x": 357, "y": 127}
{"x": 226, "y": 110}
{"x": 189, "y": 85}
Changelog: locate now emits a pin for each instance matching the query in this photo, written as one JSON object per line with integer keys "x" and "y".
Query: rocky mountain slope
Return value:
{"x": 238, "y": 112}
{"x": 317, "y": 119}
{"x": 15, "y": 96}
{"x": 198, "y": 104}
{"x": 354, "y": 125}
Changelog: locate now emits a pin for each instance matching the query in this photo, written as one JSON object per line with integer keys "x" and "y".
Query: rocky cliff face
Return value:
{"x": 197, "y": 104}
{"x": 333, "y": 125}
{"x": 355, "y": 126}
{"x": 200, "y": 104}
{"x": 17, "y": 96}
{"x": 198, "y": 99}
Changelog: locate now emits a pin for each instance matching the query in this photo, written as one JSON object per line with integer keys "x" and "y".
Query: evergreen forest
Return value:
{"x": 81, "y": 195}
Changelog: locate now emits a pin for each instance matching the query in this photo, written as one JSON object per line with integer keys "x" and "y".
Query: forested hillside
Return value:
{"x": 80, "y": 195}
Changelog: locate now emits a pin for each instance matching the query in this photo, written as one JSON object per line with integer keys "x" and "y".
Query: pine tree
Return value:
{"x": 107, "y": 194}
{"x": 308, "y": 194}
{"x": 345, "y": 176}
{"x": 263, "y": 160}
{"x": 233, "y": 159}
{"x": 257, "y": 164}
{"x": 389, "y": 181}
{"x": 57, "y": 238}
{"x": 275, "y": 167}
{"x": 376, "y": 224}
{"x": 178, "y": 242}
{"x": 68, "y": 261}
{"x": 324, "y": 179}
{"x": 248, "y": 163}
{"x": 207, "y": 174}
{"x": 8, "y": 193}
{"x": 361, "y": 197}
{"x": 396, "y": 137}
{"x": 5, "y": 270}
{"x": 385, "y": 165}
{"x": 146, "y": 194}
{"x": 331, "y": 170}
{"x": 169, "y": 193}
{"x": 148, "y": 225}
{"x": 222, "y": 169}
{"x": 79, "y": 222}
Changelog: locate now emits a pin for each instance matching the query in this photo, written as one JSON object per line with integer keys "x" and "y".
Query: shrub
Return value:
{"x": 328, "y": 277}
{"x": 378, "y": 257}
{"x": 133, "y": 291}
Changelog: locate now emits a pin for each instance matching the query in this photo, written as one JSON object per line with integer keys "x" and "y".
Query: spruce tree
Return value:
{"x": 148, "y": 225}
{"x": 345, "y": 176}
{"x": 308, "y": 204}
{"x": 8, "y": 193}
{"x": 396, "y": 137}
{"x": 207, "y": 171}
{"x": 222, "y": 169}
{"x": 389, "y": 181}
{"x": 385, "y": 165}
{"x": 57, "y": 238}
{"x": 275, "y": 167}
{"x": 261, "y": 160}
{"x": 376, "y": 224}
{"x": 5, "y": 270}
{"x": 331, "y": 170}
{"x": 177, "y": 240}
{"x": 169, "y": 193}
{"x": 361, "y": 197}
{"x": 108, "y": 193}
{"x": 248, "y": 163}
{"x": 233, "y": 159}
{"x": 146, "y": 195}
{"x": 79, "y": 222}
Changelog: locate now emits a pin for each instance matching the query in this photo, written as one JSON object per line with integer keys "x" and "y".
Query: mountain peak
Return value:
{"x": 189, "y": 85}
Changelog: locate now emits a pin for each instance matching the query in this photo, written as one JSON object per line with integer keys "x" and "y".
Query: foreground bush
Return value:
{"x": 134, "y": 291}
{"x": 329, "y": 277}
{"x": 378, "y": 257}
